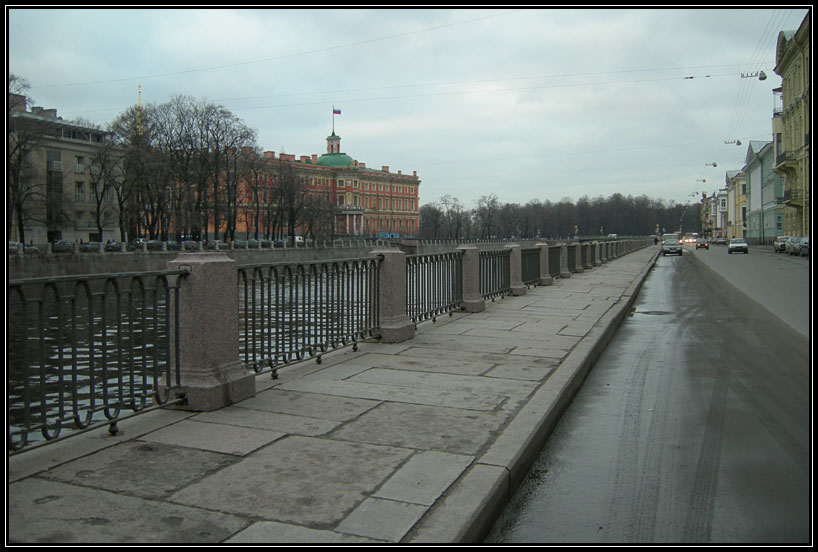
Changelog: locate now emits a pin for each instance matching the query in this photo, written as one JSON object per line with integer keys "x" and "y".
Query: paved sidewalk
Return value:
{"x": 421, "y": 441}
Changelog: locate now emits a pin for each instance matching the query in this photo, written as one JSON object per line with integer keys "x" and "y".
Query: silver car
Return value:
{"x": 671, "y": 247}
{"x": 793, "y": 245}
{"x": 803, "y": 247}
{"x": 736, "y": 245}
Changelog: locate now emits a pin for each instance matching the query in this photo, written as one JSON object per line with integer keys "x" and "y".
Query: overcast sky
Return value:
{"x": 523, "y": 103}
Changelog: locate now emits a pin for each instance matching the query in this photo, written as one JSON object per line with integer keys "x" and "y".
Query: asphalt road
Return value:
{"x": 693, "y": 427}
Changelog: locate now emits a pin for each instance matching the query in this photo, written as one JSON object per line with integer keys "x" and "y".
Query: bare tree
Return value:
{"x": 23, "y": 136}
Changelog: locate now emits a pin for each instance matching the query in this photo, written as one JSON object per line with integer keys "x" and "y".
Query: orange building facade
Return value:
{"x": 362, "y": 201}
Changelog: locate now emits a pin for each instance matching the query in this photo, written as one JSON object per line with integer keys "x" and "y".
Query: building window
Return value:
{"x": 80, "y": 192}
{"x": 79, "y": 164}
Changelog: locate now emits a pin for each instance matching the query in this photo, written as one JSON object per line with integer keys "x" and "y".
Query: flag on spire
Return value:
{"x": 336, "y": 111}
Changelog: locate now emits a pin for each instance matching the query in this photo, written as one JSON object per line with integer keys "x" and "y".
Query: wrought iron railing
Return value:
{"x": 434, "y": 285}
{"x": 530, "y": 266}
{"x": 292, "y": 311}
{"x": 554, "y": 261}
{"x": 495, "y": 275}
{"x": 84, "y": 350}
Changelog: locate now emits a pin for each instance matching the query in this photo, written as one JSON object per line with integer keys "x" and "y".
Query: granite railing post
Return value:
{"x": 597, "y": 252}
{"x": 545, "y": 275}
{"x": 472, "y": 299}
{"x": 603, "y": 252}
{"x": 588, "y": 264}
{"x": 394, "y": 325}
{"x": 516, "y": 270}
{"x": 564, "y": 271}
{"x": 211, "y": 374}
{"x": 578, "y": 248}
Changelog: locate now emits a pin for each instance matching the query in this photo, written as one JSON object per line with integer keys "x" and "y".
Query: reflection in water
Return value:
{"x": 81, "y": 352}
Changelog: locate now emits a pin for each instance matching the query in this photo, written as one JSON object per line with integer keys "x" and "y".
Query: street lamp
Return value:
{"x": 760, "y": 74}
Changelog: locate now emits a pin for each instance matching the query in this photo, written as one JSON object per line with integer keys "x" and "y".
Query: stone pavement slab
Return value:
{"x": 421, "y": 441}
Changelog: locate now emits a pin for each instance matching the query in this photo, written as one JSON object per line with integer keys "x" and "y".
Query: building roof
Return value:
{"x": 335, "y": 160}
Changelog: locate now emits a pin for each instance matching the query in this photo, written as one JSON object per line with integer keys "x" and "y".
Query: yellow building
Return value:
{"x": 736, "y": 183}
{"x": 791, "y": 124}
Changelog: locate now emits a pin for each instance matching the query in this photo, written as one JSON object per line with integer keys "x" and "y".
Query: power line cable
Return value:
{"x": 284, "y": 56}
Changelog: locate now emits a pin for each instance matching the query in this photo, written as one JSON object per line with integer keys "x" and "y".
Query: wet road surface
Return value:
{"x": 693, "y": 427}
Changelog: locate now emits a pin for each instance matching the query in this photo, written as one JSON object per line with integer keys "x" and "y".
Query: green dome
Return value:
{"x": 338, "y": 160}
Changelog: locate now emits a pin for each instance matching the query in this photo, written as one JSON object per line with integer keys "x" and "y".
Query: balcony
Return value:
{"x": 793, "y": 197}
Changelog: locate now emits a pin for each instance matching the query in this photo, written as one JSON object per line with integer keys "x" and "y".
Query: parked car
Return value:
{"x": 14, "y": 247}
{"x": 113, "y": 246}
{"x": 737, "y": 245}
{"x": 154, "y": 245}
{"x": 174, "y": 245}
{"x": 139, "y": 242}
{"x": 671, "y": 247}
{"x": 190, "y": 245}
{"x": 702, "y": 243}
{"x": 266, "y": 244}
{"x": 780, "y": 243}
{"x": 793, "y": 245}
{"x": 803, "y": 247}
{"x": 91, "y": 247}
{"x": 62, "y": 246}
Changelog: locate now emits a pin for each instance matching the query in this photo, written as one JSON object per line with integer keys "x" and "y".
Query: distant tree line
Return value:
{"x": 447, "y": 218}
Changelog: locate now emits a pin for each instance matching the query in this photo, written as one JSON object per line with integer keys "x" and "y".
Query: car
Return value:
{"x": 803, "y": 247}
{"x": 671, "y": 247}
{"x": 14, "y": 247}
{"x": 793, "y": 245}
{"x": 738, "y": 244}
{"x": 91, "y": 247}
{"x": 702, "y": 243}
{"x": 62, "y": 246}
{"x": 780, "y": 243}
{"x": 721, "y": 241}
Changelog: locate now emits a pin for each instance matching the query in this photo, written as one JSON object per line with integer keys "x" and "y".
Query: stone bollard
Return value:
{"x": 516, "y": 270}
{"x": 395, "y": 326}
{"x": 212, "y": 376}
{"x": 588, "y": 263}
{"x": 597, "y": 259}
{"x": 578, "y": 248}
{"x": 472, "y": 299}
{"x": 564, "y": 270}
{"x": 545, "y": 275}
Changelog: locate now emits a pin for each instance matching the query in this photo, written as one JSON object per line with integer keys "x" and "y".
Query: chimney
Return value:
{"x": 385, "y": 168}
{"x": 305, "y": 158}
{"x": 269, "y": 155}
{"x": 414, "y": 173}
{"x": 314, "y": 158}
{"x": 398, "y": 172}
